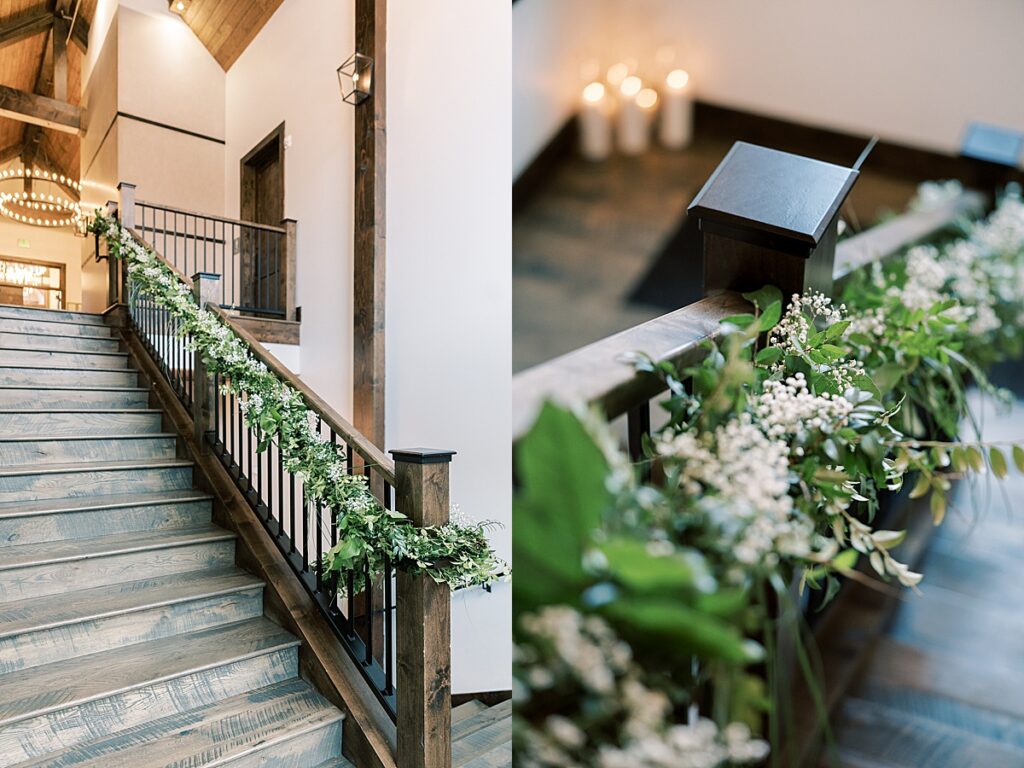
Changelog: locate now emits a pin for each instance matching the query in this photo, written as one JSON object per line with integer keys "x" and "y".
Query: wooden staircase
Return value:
{"x": 128, "y": 637}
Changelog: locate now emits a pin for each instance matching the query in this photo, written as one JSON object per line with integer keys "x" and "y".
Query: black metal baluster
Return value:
{"x": 291, "y": 512}
{"x": 368, "y": 607}
{"x": 388, "y": 622}
{"x": 638, "y": 424}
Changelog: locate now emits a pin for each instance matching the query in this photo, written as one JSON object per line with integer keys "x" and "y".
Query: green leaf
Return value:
{"x": 998, "y": 462}
{"x": 924, "y": 482}
{"x": 764, "y": 297}
{"x": 770, "y": 316}
{"x": 631, "y": 564}
{"x": 662, "y": 626}
{"x": 975, "y": 459}
{"x": 1018, "y": 457}
{"x": 561, "y": 502}
{"x": 769, "y": 355}
{"x": 740, "y": 321}
{"x": 938, "y": 506}
{"x": 846, "y": 560}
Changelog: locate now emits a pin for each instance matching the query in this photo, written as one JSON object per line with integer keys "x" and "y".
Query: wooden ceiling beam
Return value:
{"x": 9, "y": 153}
{"x": 80, "y": 33}
{"x": 28, "y": 26}
{"x": 40, "y": 110}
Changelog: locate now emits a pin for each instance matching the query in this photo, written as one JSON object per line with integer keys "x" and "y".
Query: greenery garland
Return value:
{"x": 648, "y": 596}
{"x": 457, "y": 554}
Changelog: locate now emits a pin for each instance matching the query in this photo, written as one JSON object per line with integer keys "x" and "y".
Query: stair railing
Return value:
{"x": 395, "y": 626}
{"x": 256, "y": 262}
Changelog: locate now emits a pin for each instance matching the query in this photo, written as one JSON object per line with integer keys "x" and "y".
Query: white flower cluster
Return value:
{"x": 583, "y": 659}
{"x": 876, "y": 545}
{"x": 748, "y": 472}
{"x": 803, "y": 316}
{"x": 787, "y": 409}
{"x": 933, "y": 194}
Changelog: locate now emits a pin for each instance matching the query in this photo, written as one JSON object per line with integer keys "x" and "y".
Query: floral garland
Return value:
{"x": 457, "y": 554}
{"x": 771, "y": 463}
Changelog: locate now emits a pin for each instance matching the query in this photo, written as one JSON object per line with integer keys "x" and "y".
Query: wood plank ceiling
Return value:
{"x": 27, "y": 64}
{"x": 226, "y": 27}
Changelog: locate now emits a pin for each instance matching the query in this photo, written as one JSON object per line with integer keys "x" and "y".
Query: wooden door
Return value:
{"x": 262, "y": 202}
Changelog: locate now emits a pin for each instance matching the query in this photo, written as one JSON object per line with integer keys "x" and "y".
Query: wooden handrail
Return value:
{"x": 891, "y": 237}
{"x": 598, "y": 374}
{"x": 211, "y": 217}
{"x": 366, "y": 450}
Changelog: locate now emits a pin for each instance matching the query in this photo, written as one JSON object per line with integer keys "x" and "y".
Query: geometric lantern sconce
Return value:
{"x": 355, "y": 77}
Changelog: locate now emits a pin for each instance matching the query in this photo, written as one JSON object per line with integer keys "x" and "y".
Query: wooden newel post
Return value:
{"x": 288, "y": 267}
{"x": 126, "y": 215}
{"x": 770, "y": 218}
{"x": 424, "y": 621}
{"x": 206, "y": 289}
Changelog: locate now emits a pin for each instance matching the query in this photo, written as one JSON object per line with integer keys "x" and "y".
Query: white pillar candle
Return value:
{"x": 676, "y": 110}
{"x": 595, "y": 123}
{"x": 636, "y": 111}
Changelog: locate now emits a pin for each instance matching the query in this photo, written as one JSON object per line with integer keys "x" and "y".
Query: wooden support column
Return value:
{"x": 424, "y": 621}
{"x": 206, "y": 289}
{"x": 369, "y": 251}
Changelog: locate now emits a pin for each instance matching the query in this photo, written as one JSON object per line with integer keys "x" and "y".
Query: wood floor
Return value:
{"x": 582, "y": 245}
{"x": 945, "y": 685}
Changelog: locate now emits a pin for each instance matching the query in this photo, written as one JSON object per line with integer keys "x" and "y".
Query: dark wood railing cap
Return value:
{"x": 422, "y": 455}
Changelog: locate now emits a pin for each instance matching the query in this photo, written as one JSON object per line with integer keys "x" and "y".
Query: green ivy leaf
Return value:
{"x": 998, "y": 462}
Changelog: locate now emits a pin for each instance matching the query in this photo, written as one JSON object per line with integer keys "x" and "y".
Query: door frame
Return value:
{"x": 247, "y": 177}
{"x": 251, "y": 281}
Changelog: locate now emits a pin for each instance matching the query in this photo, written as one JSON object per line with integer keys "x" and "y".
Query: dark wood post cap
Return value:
{"x": 423, "y": 455}
{"x": 772, "y": 199}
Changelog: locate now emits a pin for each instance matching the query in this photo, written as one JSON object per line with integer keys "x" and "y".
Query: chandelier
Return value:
{"x": 41, "y": 209}
{"x": 16, "y": 273}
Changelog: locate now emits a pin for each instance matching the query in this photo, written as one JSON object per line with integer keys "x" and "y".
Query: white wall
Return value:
{"x": 915, "y": 71}
{"x": 550, "y": 40}
{"x": 289, "y": 75}
{"x": 449, "y": 332}
{"x": 448, "y": 261}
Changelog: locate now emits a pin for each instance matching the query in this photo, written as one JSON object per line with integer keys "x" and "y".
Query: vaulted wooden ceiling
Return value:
{"x": 27, "y": 65}
{"x": 226, "y": 27}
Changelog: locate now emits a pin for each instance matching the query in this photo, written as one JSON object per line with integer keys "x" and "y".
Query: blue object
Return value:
{"x": 993, "y": 143}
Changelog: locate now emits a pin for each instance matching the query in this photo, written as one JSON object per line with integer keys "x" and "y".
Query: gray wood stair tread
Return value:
{"x": 23, "y": 555}
{"x": 482, "y": 719}
{"x": 876, "y": 732}
{"x": 468, "y": 709}
{"x": 486, "y": 734}
{"x": 64, "y": 315}
{"x": 90, "y": 466}
{"x": 38, "y": 613}
{"x": 499, "y": 757}
{"x": 111, "y": 353}
{"x": 23, "y": 411}
{"x": 69, "y": 388}
{"x": 206, "y": 736}
{"x": 51, "y": 687}
{"x": 10, "y": 509}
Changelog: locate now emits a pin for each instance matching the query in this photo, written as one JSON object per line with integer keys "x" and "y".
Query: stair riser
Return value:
{"x": 75, "y": 377}
{"x": 62, "y": 359}
{"x": 9, "y": 325}
{"x": 51, "y": 315}
{"x": 54, "y": 424}
{"x": 94, "y": 483}
{"x": 57, "y": 578}
{"x": 42, "y": 647}
{"x": 99, "y": 449}
{"x": 37, "y": 399}
{"x": 48, "y": 341}
{"x": 65, "y": 526}
{"x": 76, "y": 724}
{"x": 303, "y": 751}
